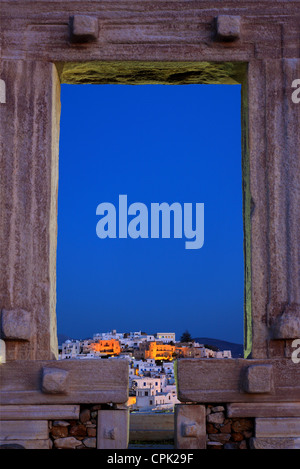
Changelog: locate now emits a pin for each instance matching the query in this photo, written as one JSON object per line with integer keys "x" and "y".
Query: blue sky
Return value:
{"x": 155, "y": 143}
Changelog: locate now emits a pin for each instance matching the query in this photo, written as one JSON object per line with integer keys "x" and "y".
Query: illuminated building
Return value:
{"x": 106, "y": 347}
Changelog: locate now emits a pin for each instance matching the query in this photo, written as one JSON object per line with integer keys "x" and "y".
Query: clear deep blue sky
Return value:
{"x": 155, "y": 143}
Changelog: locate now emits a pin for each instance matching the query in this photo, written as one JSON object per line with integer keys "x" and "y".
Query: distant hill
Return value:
{"x": 237, "y": 350}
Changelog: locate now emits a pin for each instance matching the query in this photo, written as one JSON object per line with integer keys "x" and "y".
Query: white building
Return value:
{"x": 133, "y": 339}
{"x": 166, "y": 400}
{"x": 162, "y": 400}
{"x": 154, "y": 393}
{"x": 153, "y": 384}
{"x": 70, "y": 349}
{"x": 169, "y": 368}
{"x": 148, "y": 366}
{"x": 87, "y": 356}
{"x": 108, "y": 335}
{"x": 166, "y": 337}
{"x": 223, "y": 354}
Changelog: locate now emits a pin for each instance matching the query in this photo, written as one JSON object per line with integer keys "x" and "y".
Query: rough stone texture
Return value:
{"x": 265, "y": 409}
{"x": 78, "y": 430}
{"x": 29, "y": 130}
{"x": 89, "y": 381}
{"x": 60, "y": 423}
{"x": 22, "y": 430}
{"x": 73, "y": 433}
{"x": 227, "y": 433}
{"x": 140, "y": 73}
{"x": 228, "y": 27}
{"x": 225, "y": 427}
{"x": 237, "y": 436}
{"x": 26, "y": 444}
{"x": 112, "y": 429}
{"x": 55, "y": 381}
{"x": 242, "y": 425}
{"x": 190, "y": 431}
{"x": 85, "y": 415}
{"x": 218, "y": 408}
{"x": 204, "y": 380}
{"x": 66, "y": 443}
{"x": 83, "y": 28}
{"x": 220, "y": 437}
{"x": 275, "y": 443}
{"x": 259, "y": 379}
{"x": 214, "y": 445}
{"x": 92, "y": 432}
{"x": 59, "y": 431}
{"x": 16, "y": 325}
{"x": 90, "y": 442}
{"x": 274, "y": 271}
{"x": 231, "y": 445}
{"x": 218, "y": 417}
{"x": 35, "y": 412}
{"x": 287, "y": 325}
{"x": 277, "y": 427}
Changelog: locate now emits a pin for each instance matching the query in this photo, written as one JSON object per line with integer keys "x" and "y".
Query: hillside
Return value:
{"x": 236, "y": 349}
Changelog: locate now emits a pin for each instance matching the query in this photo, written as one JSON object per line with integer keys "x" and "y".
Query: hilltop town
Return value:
{"x": 151, "y": 362}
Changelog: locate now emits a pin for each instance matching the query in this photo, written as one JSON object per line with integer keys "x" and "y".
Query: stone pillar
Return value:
{"x": 274, "y": 199}
{"x": 29, "y": 132}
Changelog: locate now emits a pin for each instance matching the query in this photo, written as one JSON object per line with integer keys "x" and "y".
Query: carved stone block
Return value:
{"x": 83, "y": 28}
{"x": 16, "y": 325}
{"x": 24, "y": 430}
{"x": 258, "y": 379}
{"x": 280, "y": 427}
{"x": 275, "y": 443}
{"x": 113, "y": 429}
{"x": 287, "y": 325}
{"x": 190, "y": 426}
{"x": 54, "y": 381}
{"x": 228, "y": 27}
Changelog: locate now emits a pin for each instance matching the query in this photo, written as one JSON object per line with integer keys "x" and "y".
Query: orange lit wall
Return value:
{"x": 159, "y": 351}
{"x": 109, "y": 347}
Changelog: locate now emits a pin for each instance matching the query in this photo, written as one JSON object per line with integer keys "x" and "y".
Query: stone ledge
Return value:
{"x": 275, "y": 443}
{"x": 39, "y": 412}
{"x": 279, "y": 427}
{"x": 26, "y": 444}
